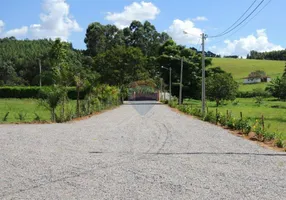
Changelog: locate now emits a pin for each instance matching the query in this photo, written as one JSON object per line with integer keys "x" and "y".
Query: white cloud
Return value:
{"x": 2, "y": 24}
{"x": 177, "y": 29}
{"x": 136, "y": 11}
{"x": 17, "y": 32}
{"x": 200, "y": 18}
{"x": 244, "y": 45}
{"x": 56, "y": 21}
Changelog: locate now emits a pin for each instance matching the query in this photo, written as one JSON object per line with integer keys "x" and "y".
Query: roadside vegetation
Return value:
{"x": 50, "y": 81}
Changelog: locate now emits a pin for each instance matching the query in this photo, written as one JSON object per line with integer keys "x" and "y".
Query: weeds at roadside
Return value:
{"x": 5, "y": 118}
{"x": 21, "y": 116}
{"x": 245, "y": 126}
{"x": 37, "y": 117}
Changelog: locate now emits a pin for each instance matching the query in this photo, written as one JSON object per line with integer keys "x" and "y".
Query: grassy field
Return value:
{"x": 275, "y": 118}
{"x": 240, "y": 68}
{"x": 28, "y": 107}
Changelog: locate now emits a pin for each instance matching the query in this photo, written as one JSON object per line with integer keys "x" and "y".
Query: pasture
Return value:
{"x": 240, "y": 68}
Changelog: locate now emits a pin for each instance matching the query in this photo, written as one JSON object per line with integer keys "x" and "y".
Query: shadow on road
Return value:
{"x": 194, "y": 153}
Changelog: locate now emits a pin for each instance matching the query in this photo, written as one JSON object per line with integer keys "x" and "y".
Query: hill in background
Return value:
{"x": 241, "y": 68}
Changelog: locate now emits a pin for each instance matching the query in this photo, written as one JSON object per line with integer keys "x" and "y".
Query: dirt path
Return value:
{"x": 140, "y": 150}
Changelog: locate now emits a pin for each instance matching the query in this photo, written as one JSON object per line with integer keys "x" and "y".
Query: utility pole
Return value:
{"x": 203, "y": 75}
{"x": 170, "y": 84}
{"x": 40, "y": 69}
{"x": 181, "y": 80}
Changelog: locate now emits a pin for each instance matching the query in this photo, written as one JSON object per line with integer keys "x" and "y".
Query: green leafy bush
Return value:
{"x": 243, "y": 125}
{"x": 210, "y": 117}
{"x": 196, "y": 112}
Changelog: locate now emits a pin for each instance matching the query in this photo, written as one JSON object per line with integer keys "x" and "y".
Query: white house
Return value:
{"x": 250, "y": 80}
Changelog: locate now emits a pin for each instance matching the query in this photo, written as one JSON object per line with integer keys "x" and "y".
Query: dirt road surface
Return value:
{"x": 141, "y": 150}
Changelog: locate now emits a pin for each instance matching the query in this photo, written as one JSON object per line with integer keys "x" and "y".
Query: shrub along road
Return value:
{"x": 140, "y": 150}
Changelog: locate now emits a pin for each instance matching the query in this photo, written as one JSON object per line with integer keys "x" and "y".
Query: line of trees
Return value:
{"x": 272, "y": 55}
{"x": 115, "y": 56}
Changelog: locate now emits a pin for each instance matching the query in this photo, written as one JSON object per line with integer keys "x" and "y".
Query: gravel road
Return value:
{"x": 140, "y": 150}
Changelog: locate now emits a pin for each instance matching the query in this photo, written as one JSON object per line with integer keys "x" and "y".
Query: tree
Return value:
{"x": 8, "y": 76}
{"x": 52, "y": 98}
{"x": 170, "y": 55}
{"x": 221, "y": 86}
{"x": 271, "y": 55}
{"x": 100, "y": 38}
{"x": 121, "y": 65}
{"x": 61, "y": 70}
{"x": 277, "y": 88}
{"x": 214, "y": 70}
{"x": 284, "y": 74}
{"x": 145, "y": 37}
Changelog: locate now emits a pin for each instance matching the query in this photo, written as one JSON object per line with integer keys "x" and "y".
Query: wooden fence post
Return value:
{"x": 240, "y": 115}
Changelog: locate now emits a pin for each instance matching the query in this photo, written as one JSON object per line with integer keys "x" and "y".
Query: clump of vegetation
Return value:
{"x": 21, "y": 116}
{"x": 221, "y": 86}
{"x": 5, "y": 118}
{"x": 258, "y": 100}
{"x": 52, "y": 98}
{"x": 37, "y": 117}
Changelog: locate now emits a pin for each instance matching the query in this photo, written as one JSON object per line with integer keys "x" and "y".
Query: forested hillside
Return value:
{"x": 114, "y": 56}
{"x": 19, "y": 61}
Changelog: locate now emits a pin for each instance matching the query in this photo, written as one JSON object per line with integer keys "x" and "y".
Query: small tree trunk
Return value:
{"x": 77, "y": 101}
{"x": 217, "y": 102}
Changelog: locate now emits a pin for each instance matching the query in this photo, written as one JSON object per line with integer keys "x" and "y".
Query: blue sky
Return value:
{"x": 69, "y": 19}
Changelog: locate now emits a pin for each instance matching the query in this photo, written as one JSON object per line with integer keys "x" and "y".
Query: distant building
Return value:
{"x": 256, "y": 77}
{"x": 250, "y": 80}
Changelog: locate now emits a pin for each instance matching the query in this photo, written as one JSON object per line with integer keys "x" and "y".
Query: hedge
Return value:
{"x": 32, "y": 92}
{"x": 251, "y": 94}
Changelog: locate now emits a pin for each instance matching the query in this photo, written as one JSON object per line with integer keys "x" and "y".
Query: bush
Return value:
{"x": 19, "y": 92}
{"x": 210, "y": 117}
{"x": 5, "y": 118}
{"x": 243, "y": 125}
{"x": 258, "y": 100}
{"x": 254, "y": 93}
{"x": 32, "y": 92}
{"x": 196, "y": 112}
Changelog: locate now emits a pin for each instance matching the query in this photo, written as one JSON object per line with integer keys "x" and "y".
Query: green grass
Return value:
{"x": 275, "y": 118}
{"x": 26, "y": 106}
{"x": 241, "y": 68}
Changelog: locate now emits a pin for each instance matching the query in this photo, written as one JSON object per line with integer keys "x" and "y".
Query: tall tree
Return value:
{"x": 100, "y": 38}
{"x": 145, "y": 37}
{"x": 170, "y": 56}
{"x": 121, "y": 65}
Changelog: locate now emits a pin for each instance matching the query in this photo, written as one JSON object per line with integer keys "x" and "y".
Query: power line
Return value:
{"x": 224, "y": 33}
{"x": 244, "y": 24}
{"x": 240, "y": 17}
